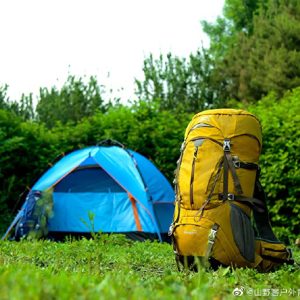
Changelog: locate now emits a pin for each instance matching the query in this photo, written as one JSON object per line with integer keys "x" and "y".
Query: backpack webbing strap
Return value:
{"x": 199, "y": 213}
{"x": 289, "y": 260}
{"x": 211, "y": 240}
{"x": 225, "y": 178}
{"x": 257, "y": 204}
{"x": 229, "y": 165}
{"x": 263, "y": 226}
{"x": 176, "y": 183}
{"x": 254, "y": 203}
{"x": 193, "y": 262}
{"x": 246, "y": 165}
{"x": 174, "y": 245}
{"x": 236, "y": 181}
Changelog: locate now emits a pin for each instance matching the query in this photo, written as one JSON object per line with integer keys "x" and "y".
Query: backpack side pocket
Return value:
{"x": 243, "y": 232}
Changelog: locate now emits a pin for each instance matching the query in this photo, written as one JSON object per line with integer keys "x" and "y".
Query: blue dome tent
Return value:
{"x": 120, "y": 188}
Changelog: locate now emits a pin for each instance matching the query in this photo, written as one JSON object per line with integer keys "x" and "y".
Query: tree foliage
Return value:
{"x": 280, "y": 159}
{"x": 27, "y": 149}
{"x": 74, "y": 101}
{"x": 254, "y": 49}
{"x": 241, "y": 13}
{"x": 181, "y": 84}
{"x": 253, "y": 58}
{"x": 23, "y": 107}
{"x": 3, "y": 97}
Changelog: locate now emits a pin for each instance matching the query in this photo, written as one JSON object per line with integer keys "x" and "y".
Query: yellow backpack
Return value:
{"x": 218, "y": 194}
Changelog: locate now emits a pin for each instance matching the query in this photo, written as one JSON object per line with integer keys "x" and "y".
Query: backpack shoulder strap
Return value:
{"x": 261, "y": 218}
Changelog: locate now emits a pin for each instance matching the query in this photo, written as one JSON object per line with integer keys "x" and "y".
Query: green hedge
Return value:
{"x": 28, "y": 148}
{"x": 280, "y": 159}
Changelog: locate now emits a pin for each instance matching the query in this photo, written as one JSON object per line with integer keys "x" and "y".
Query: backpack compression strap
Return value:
{"x": 262, "y": 219}
{"x": 263, "y": 227}
{"x": 230, "y": 165}
{"x": 211, "y": 240}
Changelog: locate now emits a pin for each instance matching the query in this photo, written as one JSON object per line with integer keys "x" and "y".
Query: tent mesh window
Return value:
{"x": 90, "y": 180}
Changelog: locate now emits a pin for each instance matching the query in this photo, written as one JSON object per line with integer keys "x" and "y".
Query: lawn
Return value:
{"x": 113, "y": 267}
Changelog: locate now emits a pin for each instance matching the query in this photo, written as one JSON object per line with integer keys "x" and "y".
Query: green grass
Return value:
{"x": 113, "y": 267}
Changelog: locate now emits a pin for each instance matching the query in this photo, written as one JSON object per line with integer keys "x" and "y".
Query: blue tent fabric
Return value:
{"x": 112, "y": 213}
{"x": 92, "y": 189}
{"x": 157, "y": 184}
{"x": 120, "y": 166}
{"x": 159, "y": 189}
{"x": 61, "y": 169}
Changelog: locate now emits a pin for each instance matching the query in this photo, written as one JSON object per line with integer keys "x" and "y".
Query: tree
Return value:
{"x": 74, "y": 101}
{"x": 259, "y": 56}
{"x": 26, "y": 148}
{"x": 210, "y": 77}
{"x": 23, "y": 108}
{"x": 280, "y": 159}
{"x": 177, "y": 83}
{"x": 3, "y": 97}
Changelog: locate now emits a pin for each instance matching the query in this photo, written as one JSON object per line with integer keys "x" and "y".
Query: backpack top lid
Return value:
{"x": 228, "y": 123}
{"x": 224, "y": 111}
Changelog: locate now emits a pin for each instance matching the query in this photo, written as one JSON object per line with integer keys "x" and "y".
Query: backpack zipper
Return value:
{"x": 192, "y": 176}
{"x": 207, "y": 138}
{"x": 251, "y": 136}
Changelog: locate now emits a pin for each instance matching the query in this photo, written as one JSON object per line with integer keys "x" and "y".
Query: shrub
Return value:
{"x": 280, "y": 159}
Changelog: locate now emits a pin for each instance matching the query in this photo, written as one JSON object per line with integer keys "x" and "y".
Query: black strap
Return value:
{"x": 229, "y": 165}
{"x": 247, "y": 166}
{"x": 236, "y": 181}
{"x": 254, "y": 203}
{"x": 263, "y": 226}
{"x": 257, "y": 204}
{"x": 289, "y": 261}
{"x": 225, "y": 178}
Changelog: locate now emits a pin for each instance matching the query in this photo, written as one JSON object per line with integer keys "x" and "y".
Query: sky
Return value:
{"x": 42, "y": 41}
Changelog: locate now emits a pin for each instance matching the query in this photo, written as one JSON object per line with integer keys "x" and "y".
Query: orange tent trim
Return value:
{"x": 135, "y": 212}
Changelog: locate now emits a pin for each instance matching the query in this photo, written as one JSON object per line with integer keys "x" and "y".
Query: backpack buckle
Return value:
{"x": 236, "y": 162}
{"x": 230, "y": 197}
{"x": 171, "y": 229}
{"x": 226, "y": 145}
{"x": 182, "y": 146}
{"x": 212, "y": 234}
